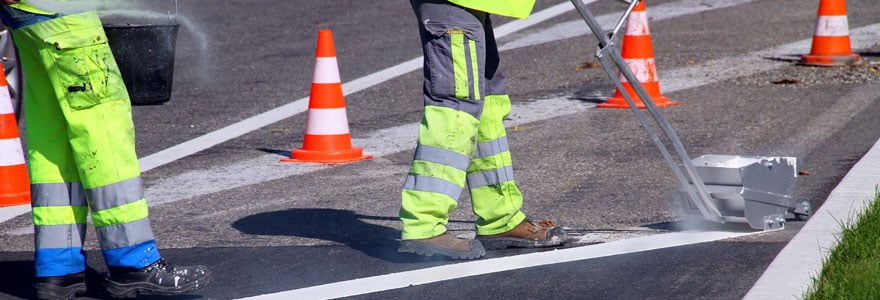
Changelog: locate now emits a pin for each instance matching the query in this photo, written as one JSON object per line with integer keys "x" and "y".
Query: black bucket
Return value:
{"x": 145, "y": 55}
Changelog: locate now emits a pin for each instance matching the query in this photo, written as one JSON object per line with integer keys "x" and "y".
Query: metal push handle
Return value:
{"x": 699, "y": 194}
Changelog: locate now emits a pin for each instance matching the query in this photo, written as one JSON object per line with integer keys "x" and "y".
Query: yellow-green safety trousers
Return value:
{"x": 81, "y": 152}
{"x": 462, "y": 139}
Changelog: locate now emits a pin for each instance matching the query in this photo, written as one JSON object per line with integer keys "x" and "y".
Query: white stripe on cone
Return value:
{"x": 644, "y": 69}
{"x": 637, "y": 24}
{"x": 5, "y": 101}
{"x": 326, "y": 70}
{"x": 318, "y": 124}
{"x": 10, "y": 152}
{"x": 832, "y": 26}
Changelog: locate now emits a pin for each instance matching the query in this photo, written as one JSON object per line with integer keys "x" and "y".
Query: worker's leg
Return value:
{"x": 497, "y": 201}
{"x": 72, "y": 54}
{"x": 59, "y": 206}
{"x": 452, "y": 42}
{"x": 90, "y": 95}
{"x": 495, "y": 196}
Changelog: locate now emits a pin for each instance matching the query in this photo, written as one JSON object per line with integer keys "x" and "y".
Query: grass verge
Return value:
{"x": 852, "y": 269}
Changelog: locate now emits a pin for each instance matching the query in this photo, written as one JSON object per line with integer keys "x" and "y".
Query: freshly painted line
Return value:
{"x": 466, "y": 269}
{"x": 791, "y": 272}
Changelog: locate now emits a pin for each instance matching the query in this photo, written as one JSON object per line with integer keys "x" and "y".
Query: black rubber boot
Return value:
{"x": 158, "y": 278}
{"x": 61, "y": 287}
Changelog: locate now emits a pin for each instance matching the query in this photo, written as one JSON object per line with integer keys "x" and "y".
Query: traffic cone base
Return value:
{"x": 831, "y": 60}
{"x": 831, "y": 44}
{"x": 352, "y": 154}
{"x": 618, "y": 101}
{"x": 661, "y": 101}
{"x": 638, "y": 52}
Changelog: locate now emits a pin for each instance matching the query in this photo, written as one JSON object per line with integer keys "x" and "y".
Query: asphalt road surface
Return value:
{"x": 219, "y": 195}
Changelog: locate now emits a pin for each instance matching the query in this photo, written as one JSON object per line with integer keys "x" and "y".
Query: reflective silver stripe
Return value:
{"x": 59, "y": 236}
{"x": 472, "y": 68}
{"x": 442, "y": 156}
{"x": 116, "y": 194}
{"x": 492, "y": 177}
{"x": 432, "y": 185}
{"x": 123, "y": 235}
{"x": 58, "y": 194}
{"x": 486, "y": 149}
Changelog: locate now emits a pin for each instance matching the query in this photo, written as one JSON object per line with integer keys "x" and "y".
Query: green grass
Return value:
{"x": 852, "y": 269}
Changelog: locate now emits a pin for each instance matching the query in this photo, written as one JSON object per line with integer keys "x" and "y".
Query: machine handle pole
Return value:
{"x": 700, "y": 197}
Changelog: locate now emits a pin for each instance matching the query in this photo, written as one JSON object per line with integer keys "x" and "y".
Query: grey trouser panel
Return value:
{"x": 436, "y": 19}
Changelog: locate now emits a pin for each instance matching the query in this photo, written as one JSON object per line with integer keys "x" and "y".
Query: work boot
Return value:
{"x": 445, "y": 244}
{"x": 61, "y": 287}
{"x": 159, "y": 278}
{"x": 527, "y": 234}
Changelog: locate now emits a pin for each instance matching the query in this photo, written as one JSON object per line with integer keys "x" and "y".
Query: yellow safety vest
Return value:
{"x": 510, "y": 8}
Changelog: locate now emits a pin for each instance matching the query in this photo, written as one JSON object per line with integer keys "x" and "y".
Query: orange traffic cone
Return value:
{"x": 638, "y": 53}
{"x": 327, "y": 139}
{"x": 15, "y": 187}
{"x": 831, "y": 46}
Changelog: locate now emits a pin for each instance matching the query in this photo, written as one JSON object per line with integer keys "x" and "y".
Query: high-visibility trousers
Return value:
{"x": 462, "y": 139}
{"x": 80, "y": 139}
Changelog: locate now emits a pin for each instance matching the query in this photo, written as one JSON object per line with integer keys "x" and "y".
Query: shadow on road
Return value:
{"x": 341, "y": 226}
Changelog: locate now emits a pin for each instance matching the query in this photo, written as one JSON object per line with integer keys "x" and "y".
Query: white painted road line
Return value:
{"x": 10, "y": 212}
{"x": 480, "y": 267}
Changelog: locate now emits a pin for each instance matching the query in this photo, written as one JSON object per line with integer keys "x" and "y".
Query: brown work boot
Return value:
{"x": 445, "y": 244}
{"x": 527, "y": 234}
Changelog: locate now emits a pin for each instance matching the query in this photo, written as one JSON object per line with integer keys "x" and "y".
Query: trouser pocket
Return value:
{"x": 84, "y": 70}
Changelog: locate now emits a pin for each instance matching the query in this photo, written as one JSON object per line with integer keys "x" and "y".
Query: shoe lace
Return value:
{"x": 545, "y": 223}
